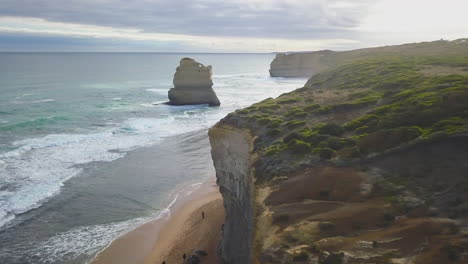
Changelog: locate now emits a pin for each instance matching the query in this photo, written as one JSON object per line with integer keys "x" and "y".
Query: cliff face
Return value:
{"x": 307, "y": 64}
{"x": 231, "y": 151}
{"x": 365, "y": 164}
{"x": 299, "y": 64}
{"x": 192, "y": 85}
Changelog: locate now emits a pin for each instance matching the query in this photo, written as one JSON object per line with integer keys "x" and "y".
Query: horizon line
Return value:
{"x": 146, "y": 52}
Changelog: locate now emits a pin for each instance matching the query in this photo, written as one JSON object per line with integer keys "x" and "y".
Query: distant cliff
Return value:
{"x": 300, "y": 64}
{"x": 365, "y": 164}
{"x": 307, "y": 64}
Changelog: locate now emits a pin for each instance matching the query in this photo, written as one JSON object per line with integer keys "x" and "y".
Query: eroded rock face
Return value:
{"x": 299, "y": 64}
{"x": 192, "y": 84}
{"x": 231, "y": 148}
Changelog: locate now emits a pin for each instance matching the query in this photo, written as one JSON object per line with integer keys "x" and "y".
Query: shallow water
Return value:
{"x": 87, "y": 151}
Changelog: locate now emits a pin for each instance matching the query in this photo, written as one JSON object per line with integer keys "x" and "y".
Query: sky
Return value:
{"x": 225, "y": 25}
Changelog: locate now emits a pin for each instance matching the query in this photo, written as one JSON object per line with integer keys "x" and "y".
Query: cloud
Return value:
{"x": 235, "y": 25}
{"x": 38, "y": 26}
{"x": 390, "y": 21}
{"x": 296, "y": 19}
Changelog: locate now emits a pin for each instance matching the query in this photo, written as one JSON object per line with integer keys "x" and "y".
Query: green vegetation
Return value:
{"x": 324, "y": 153}
{"x": 296, "y": 112}
{"x": 329, "y": 129}
{"x": 298, "y": 146}
{"x": 311, "y": 107}
{"x": 295, "y": 124}
{"x": 374, "y": 105}
{"x": 288, "y": 100}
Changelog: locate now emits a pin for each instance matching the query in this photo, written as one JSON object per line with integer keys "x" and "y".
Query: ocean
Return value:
{"x": 88, "y": 150}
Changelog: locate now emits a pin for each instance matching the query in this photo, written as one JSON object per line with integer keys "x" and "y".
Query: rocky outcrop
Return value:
{"x": 231, "y": 148}
{"x": 192, "y": 85}
{"x": 299, "y": 64}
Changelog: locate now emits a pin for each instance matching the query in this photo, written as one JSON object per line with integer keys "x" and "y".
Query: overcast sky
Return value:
{"x": 225, "y": 25}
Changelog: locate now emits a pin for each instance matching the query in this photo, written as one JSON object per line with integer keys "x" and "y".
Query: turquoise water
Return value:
{"x": 87, "y": 150}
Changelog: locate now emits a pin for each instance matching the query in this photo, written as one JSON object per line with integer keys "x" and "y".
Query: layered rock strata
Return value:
{"x": 193, "y": 85}
{"x": 231, "y": 149}
{"x": 299, "y": 64}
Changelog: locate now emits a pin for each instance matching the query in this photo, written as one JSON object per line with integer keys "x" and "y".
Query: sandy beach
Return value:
{"x": 182, "y": 231}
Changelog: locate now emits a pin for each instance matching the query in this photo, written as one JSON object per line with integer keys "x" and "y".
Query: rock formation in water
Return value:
{"x": 365, "y": 164}
{"x": 192, "y": 85}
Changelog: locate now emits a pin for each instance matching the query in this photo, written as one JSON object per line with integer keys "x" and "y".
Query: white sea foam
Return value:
{"x": 87, "y": 240}
{"x": 158, "y": 91}
{"x": 81, "y": 241}
{"x": 43, "y": 101}
{"x": 33, "y": 102}
{"x": 38, "y": 167}
{"x": 154, "y": 104}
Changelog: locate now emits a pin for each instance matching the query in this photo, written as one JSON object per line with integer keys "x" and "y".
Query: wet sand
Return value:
{"x": 181, "y": 232}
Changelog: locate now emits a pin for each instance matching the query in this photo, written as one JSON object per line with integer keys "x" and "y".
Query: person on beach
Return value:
{"x": 184, "y": 256}
{"x": 203, "y": 214}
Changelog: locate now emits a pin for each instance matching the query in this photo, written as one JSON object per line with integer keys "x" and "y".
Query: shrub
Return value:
{"x": 299, "y": 147}
{"x": 268, "y": 107}
{"x": 311, "y": 107}
{"x": 332, "y": 142}
{"x": 315, "y": 138}
{"x": 348, "y": 142}
{"x": 296, "y": 112}
{"x": 369, "y": 120}
{"x": 324, "y": 153}
{"x": 295, "y": 124}
{"x": 269, "y": 121}
{"x": 329, "y": 129}
{"x": 324, "y": 110}
{"x": 292, "y": 136}
{"x": 274, "y": 149}
{"x": 361, "y": 130}
{"x": 451, "y": 125}
{"x": 287, "y": 100}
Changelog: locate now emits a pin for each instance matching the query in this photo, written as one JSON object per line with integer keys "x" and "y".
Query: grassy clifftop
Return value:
{"x": 363, "y": 108}
{"x": 308, "y": 63}
{"x": 366, "y": 163}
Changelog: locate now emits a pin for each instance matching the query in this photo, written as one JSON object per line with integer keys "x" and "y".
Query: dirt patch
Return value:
{"x": 326, "y": 184}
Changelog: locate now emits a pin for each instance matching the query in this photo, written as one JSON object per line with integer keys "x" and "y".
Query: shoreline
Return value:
{"x": 179, "y": 231}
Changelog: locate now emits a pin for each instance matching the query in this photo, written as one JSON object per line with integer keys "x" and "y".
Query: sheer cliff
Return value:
{"x": 307, "y": 64}
{"x": 367, "y": 163}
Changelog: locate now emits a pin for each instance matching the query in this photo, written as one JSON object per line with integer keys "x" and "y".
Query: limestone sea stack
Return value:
{"x": 192, "y": 84}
